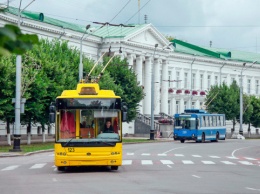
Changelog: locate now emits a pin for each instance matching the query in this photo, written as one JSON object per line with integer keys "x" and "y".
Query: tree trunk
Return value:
{"x": 29, "y": 129}
{"x": 9, "y": 142}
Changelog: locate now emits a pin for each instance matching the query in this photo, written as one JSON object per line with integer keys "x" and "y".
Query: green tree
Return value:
{"x": 255, "y": 116}
{"x": 126, "y": 79}
{"x": 247, "y": 110}
{"x": 224, "y": 99}
{"x": 13, "y": 41}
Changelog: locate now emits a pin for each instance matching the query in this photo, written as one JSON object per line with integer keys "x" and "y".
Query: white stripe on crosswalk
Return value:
{"x": 162, "y": 154}
{"x": 214, "y": 156}
{"x": 130, "y": 154}
{"x": 227, "y": 162}
{"x": 208, "y": 162}
{"x": 179, "y": 155}
{"x": 187, "y": 162}
{"x": 246, "y": 163}
{"x": 146, "y": 154}
{"x": 250, "y": 158}
{"x": 231, "y": 157}
{"x": 196, "y": 156}
{"x": 38, "y": 166}
{"x": 147, "y": 162}
{"x": 127, "y": 162}
{"x": 166, "y": 162}
{"x": 10, "y": 167}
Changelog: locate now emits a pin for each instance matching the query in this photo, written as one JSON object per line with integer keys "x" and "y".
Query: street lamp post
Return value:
{"x": 152, "y": 98}
{"x": 80, "y": 62}
{"x": 241, "y": 98}
{"x": 191, "y": 81}
{"x": 17, "y": 132}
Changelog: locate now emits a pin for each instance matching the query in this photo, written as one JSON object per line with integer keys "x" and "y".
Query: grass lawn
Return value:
{"x": 45, "y": 146}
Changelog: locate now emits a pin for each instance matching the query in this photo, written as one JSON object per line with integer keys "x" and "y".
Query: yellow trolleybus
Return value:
{"x": 82, "y": 118}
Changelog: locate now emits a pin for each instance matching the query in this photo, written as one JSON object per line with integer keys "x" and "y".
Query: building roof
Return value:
{"x": 107, "y": 31}
{"x": 234, "y": 55}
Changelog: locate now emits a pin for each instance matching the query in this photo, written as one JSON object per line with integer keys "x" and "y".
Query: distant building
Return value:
{"x": 183, "y": 72}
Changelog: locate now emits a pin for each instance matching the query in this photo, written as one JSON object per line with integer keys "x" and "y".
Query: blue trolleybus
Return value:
{"x": 198, "y": 125}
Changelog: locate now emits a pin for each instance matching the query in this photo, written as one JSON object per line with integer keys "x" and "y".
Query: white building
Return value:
{"x": 183, "y": 72}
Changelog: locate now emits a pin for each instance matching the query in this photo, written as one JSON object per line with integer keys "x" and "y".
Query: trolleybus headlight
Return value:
{"x": 175, "y": 135}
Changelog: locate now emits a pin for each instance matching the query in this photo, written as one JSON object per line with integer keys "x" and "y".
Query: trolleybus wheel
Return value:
{"x": 203, "y": 138}
{"x": 182, "y": 141}
{"x": 217, "y": 137}
{"x": 114, "y": 167}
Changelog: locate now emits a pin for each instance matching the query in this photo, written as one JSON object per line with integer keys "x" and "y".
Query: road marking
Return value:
{"x": 245, "y": 162}
{"x": 162, "y": 154}
{"x": 166, "y": 162}
{"x": 250, "y": 158}
{"x": 169, "y": 166}
{"x": 214, "y": 156}
{"x": 227, "y": 162}
{"x": 147, "y": 162}
{"x": 196, "y": 176}
{"x": 10, "y": 167}
{"x": 253, "y": 189}
{"x": 187, "y": 162}
{"x": 130, "y": 154}
{"x": 127, "y": 162}
{"x": 146, "y": 154}
{"x": 38, "y": 166}
{"x": 55, "y": 169}
{"x": 233, "y": 153}
{"x": 208, "y": 162}
{"x": 174, "y": 149}
{"x": 51, "y": 155}
{"x": 232, "y": 157}
{"x": 196, "y": 156}
{"x": 179, "y": 155}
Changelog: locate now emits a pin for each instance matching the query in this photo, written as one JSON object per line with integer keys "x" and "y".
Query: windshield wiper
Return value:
{"x": 70, "y": 141}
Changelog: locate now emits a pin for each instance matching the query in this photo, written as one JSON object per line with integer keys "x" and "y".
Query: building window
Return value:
{"x": 232, "y": 79}
{"x": 216, "y": 80}
{"x": 185, "y": 105}
{"x": 169, "y": 78}
{"x": 257, "y": 86}
{"x": 248, "y": 86}
{"x": 169, "y": 107}
{"x": 201, "y": 105}
{"x": 185, "y": 80}
{"x": 177, "y": 107}
{"x": 193, "y": 105}
{"x": 201, "y": 81}
{"x": 193, "y": 80}
{"x": 209, "y": 81}
{"x": 177, "y": 79}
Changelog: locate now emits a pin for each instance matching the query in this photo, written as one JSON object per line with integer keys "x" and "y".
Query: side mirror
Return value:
{"x": 52, "y": 117}
{"x": 52, "y": 109}
{"x": 124, "y": 116}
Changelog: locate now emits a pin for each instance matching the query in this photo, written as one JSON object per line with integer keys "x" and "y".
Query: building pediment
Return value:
{"x": 147, "y": 36}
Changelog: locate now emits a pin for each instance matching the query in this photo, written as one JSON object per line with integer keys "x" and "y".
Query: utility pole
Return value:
{"x": 17, "y": 132}
{"x": 152, "y": 98}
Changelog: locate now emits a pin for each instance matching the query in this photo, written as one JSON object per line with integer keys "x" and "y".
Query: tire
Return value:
{"x": 217, "y": 137}
{"x": 203, "y": 138}
{"x": 114, "y": 167}
{"x": 182, "y": 141}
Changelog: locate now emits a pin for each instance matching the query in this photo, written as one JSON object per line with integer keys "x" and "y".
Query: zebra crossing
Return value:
{"x": 129, "y": 159}
{"x": 143, "y": 159}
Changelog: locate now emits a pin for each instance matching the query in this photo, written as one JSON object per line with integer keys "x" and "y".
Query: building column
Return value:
{"x": 181, "y": 105}
{"x": 147, "y": 86}
{"x": 164, "y": 91}
{"x": 130, "y": 60}
{"x": 157, "y": 96}
{"x": 173, "y": 106}
{"x": 139, "y": 73}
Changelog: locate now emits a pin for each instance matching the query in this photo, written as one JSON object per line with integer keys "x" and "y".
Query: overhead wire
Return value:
{"x": 120, "y": 10}
{"x": 138, "y": 11}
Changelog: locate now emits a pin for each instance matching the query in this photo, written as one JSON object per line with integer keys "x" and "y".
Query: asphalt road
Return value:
{"x": 231, "y": 166}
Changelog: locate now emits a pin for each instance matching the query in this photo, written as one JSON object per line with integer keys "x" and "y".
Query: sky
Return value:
{"x": 229, "y": 24}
